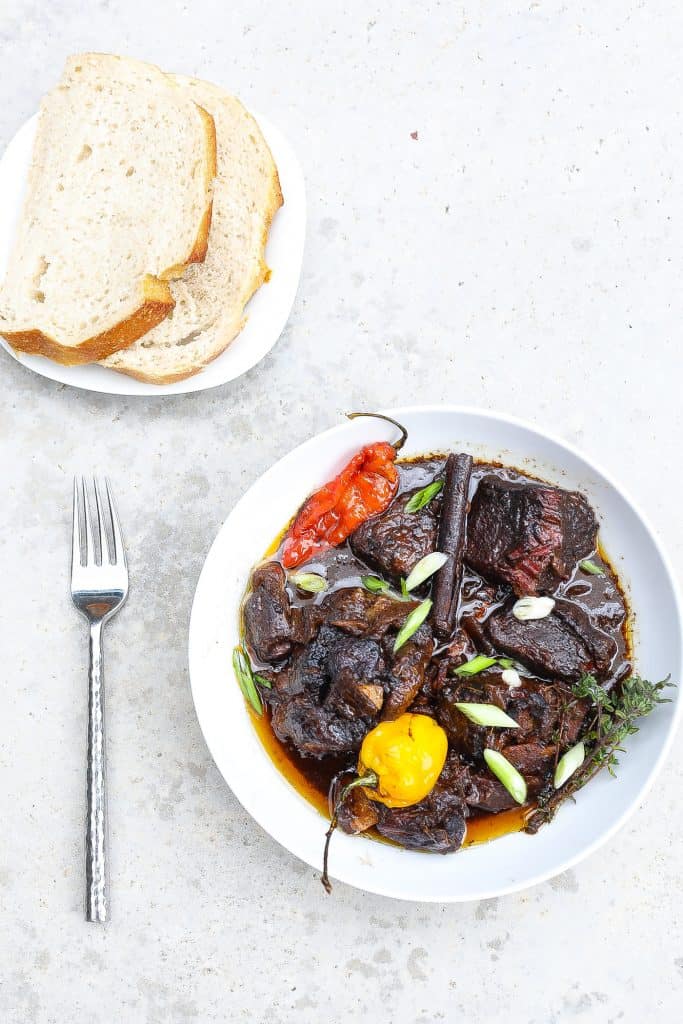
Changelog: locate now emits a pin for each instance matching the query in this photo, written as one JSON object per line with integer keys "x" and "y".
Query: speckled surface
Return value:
{"x": 523, "y": 253}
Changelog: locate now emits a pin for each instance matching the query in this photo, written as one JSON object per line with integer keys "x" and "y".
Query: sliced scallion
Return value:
{"x": 507, "y": 774}
{"x": 374, "y": 584}
{"x": 425, "y": 568}
{"x": 487, "y": 715}
{"x": 404, "y": 588}
{"x": 311, "y": 582}
{"x": 412, "y": 623}
{"x": 568, "y": 764}
{"x": 511, "y": 677}
{"x": 245, "y": 678}
{"x": 474, "y": 665}
{"x": 591, "y": 568}
{"x": 422, "y": 498}
{"x": 528, "y": 608}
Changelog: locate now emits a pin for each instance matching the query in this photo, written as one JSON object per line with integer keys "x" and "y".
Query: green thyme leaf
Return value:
{"x": 591, "y": 568}
{"x": 422, "y": 498}
{"x": 488, "y": 715}
{"x": 568, "y": 764}
{"x": 507, "y": 774}
{"x": 425, "y": 568}
{"x": 374, "y": 584}
{"x": 412, "y": 624}
{"x": 245, "y": 678}
{"x": 311, "y": 582}
{"x": 474, "y": 665}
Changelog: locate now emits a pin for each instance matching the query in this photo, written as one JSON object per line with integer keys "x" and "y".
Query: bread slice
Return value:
{"x": 211, "y": 297}
{"x": 118, "y": 203}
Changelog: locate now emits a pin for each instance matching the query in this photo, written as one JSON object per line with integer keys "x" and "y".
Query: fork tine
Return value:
{"x": 76, "y": 532}
{"x": 119, "y": 549}
{"x": 104, "y": 533}
{"x": 90, "y": 550}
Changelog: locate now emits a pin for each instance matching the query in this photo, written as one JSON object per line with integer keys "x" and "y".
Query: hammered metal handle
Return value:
{"x": 96, "y": 894}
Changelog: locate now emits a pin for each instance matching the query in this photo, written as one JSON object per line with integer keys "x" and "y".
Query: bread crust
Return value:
{"x": 157, "y": 302}
{"x": 229, "y": 331}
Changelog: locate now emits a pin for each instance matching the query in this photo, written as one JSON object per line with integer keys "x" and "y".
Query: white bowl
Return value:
{"x": 503, "y": 865}
{"x": 267, "y": 312}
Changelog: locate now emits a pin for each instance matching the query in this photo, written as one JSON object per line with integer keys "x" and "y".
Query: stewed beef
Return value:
{"x": 528, "y": 535}
{"x": 407, "y": 672}
{"x": 392, "y": 542}
{"x": 564, "y": 645}
{"x": 357, "y": 611}
{"x": 267, "y": 613}
{"x": 436, "y": 823}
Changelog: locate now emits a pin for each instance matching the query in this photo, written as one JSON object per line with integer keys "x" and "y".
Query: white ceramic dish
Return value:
{"x": 503, "y": 865}
{"x": 267, "y": 312}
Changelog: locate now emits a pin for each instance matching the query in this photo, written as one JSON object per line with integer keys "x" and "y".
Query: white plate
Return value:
{"x": 503, "y": 865}
{"x": 267, "y": 312}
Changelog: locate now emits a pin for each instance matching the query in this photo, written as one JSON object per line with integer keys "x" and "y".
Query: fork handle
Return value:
{"x": 96, "y": 892}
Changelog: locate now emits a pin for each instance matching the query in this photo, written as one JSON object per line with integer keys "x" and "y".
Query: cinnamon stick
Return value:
{"x": 446, "y": 591}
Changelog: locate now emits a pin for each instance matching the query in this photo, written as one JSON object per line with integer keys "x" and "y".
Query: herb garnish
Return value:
{"x": 247, "y": 680}
{"x": 310, "y": 582}
{"x": 374, "y": 584}
{"x": 422, "y": 498}
{"x": 412, "y": 623}
{"x": 488, "y": 715}
{"x": 591, "y": 568}
{"x": 614, "y": 719}
{"x": 423, "y": 569}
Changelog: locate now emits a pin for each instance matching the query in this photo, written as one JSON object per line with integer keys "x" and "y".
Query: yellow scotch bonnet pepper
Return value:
{"x": 400, "y": 761}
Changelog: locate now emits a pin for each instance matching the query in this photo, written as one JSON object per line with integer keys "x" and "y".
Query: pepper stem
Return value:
{"x": 378, "y": 416}
{"x": 371, "y": 780}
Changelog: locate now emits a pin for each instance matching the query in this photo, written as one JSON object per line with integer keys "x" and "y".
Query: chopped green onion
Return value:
{"x": 425, "y": 568}
{"x": 245, "y": 678}
{"x": 262, "y": 681}
{"x": 568, "y": 764}
{"x": 374, "y": 584}
{"x": 404, "y": 588}
{"x": 511, "y": 677}
{"x": 507, "y": 774}
{"x": 422, "y": 498}
{"x": 412, "y": 624}
{"x": 506, "y": 663}
{"x": 528, "y": 608}
{"x": 311, "y": 582}
{"x": 591, "y": 568}
{"x": 488, "y": 715}
{"x": 475, "y": 665}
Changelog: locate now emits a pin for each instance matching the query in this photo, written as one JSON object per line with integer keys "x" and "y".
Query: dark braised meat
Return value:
{"x": 316, "y": 731}
{"x": 451, "y": 541}
{"x": 356, "y": 670}
{"x": 357, "y": 813}
{"x": 528, "y": 535}
{"x": 544, "y": 712}
{"x": 391, "y": 543}
{"x": 407, "y": 674}
{"x": 564, "y": 645}
{"x": 267, "y": 614}
{"x": 357, "y": 611}
{"x": 437, "y": 823}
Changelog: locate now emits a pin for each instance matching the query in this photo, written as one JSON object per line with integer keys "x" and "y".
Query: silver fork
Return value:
{"x": 99, "y": 586}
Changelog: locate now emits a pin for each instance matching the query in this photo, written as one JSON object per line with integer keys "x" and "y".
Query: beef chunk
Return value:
{"x": 407, "y": 673}
{"x": 357, "y": 611}
{"x": 267, "y": 614}
{"x": 528, "y": 535}
{"x": 437, "y": 823}
{"x": 542, "y": 712}
{"x": 329, "y": 697}
{"x": 486, "y": 793}
{"x": 564, "y": 645}
{"x": 355, "y": 668}
{"x": 392, "y": 542}
{"x": 534, "y": 761}
{"x": 358, "y": 812}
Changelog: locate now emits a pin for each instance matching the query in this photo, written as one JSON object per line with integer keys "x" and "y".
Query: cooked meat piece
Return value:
{"x": 357, "y": 813}
{"x": 407, "y": 672}
{"x": 356, "y": 668}
{"x": 314, "y": 730}
{"x": 267, "y": 614}
{"x": 392, "y": 542}
{"x": 437, "y": 823}
{"x": 534, "y": 761}
{"x": 552, "y": 646}
{"x": 540, "y": 710}
{"x": 451, "y": 541}
{"x": 486, "y": 793}
{"x": 528, "y": 535}
{"x": 330, "y": 696}
{"x": 357, "y": 611}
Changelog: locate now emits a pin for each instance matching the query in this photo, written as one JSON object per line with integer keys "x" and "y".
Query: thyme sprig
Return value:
{"x": 614, "y": 718}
